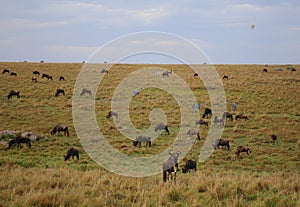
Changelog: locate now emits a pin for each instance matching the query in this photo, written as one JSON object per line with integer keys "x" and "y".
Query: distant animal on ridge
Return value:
{"x": 60, "y": 128}
{"x": 13, "y": 93}
{"x": 72, "y": 152}
{"x": 265, "y": 70}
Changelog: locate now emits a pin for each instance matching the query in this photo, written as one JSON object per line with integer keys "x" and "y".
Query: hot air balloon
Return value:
{"x": 252, "y": 26}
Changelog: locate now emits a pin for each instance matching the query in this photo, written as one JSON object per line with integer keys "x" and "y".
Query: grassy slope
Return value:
{"x": 39, "y": 176}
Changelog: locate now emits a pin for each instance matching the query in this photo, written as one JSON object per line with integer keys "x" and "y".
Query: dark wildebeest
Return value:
{"x": 274, "y": 138}
{"x": 195, "y": 74}
{"x": 265, "y": 70}
{"x": 33, "y": 79}
{"x": 5, "y": 71}
{"x": 18, "y": 141}
{"x": 72, "y": 153}
{"x": 60, "y": 128}
{"x": 167, "y": 73}
{"x": 225, "y": 77}
{"x": 111, "y": 114}
{"x": 227, "y": 115}
{"x": 140, "y": 139}
{"x": 219, "y": 120}
{"x": 59, "y": 91}
{"x": 242, "y": 149}
{"x": 61, "y": 78}
{"x": 202, "y": 122}
{"x": 47, "y": 76}
{"x": 189, "y": 165}
{"x": 13, "y": 74}
{"x": 194, "y": 132}
{"x": 207, "y": 112}
{"x": 104, "y": 71}
{"x": 170, "y": 166}
{"x": 13, "y": 93}
{"x": 161, "y": 127}
{"x": 221, "y": 142}
{"x": 85, "y": 91}
{"x": 241, "y": 116}
{"x": 36, "y": 72}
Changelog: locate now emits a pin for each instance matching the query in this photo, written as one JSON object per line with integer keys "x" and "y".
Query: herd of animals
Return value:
{"x": 170, "y": 166}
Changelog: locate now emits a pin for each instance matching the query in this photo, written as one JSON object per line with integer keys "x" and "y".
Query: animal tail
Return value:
{"x": 165, "y": 176}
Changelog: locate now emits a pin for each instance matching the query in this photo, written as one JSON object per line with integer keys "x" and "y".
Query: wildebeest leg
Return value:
{"x": 59, "y": 134}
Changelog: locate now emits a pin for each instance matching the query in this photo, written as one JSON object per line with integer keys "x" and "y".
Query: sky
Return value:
{"x": 71, "y": 31}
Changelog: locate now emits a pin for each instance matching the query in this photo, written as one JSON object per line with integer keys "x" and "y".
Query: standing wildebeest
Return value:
{"x": 5, "y": 71}
{"x": 202, "y": 122}
{"x": 36, "y": 72}
{"x": 60, "y": 128}
{"x": 47, "y": 76}
{"x": 189, "y": 165}
{"x": 234, "y": 106}
{"x": 33, "y": 79}
{"x": 207, "y": 112}
{"x": 61, "y": 78}
{"x": 221, "y": 142}
{"x": 59, "y": 91}
{"x": 161, "y": 127}
{"x": 227, "y": 115}
{"x": 85, "y": 91}
{"x": 111, "y": 114}
{"x": 242, "y": 149}
{"x": 225, "y": 77}
{"x": 241, "y": 116}
{"x": 13, "y": 93}
{"x": 194, "y": 132}
{"x": 170, "y": 166}
{"x": 104, "y": 71}
{"x": 72, "y": 153}
{"x": 196, "y": 75}
{"x": 167, "y": 73}
{"x": 139, "y": 139}
{"x": 13, "y": 74}
{"x": 274, "y": 138}
{"x": 219, "y": 120}
{"x": 18, "y": 141}
{"x": 265, "y": 70}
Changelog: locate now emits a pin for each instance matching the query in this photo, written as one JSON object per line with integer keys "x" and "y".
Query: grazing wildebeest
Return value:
{"x": 72, "y": 153}
{"x": 5, "y": 71}
{"x": 194, "y": 132}
{"x": 225, "y": 77}
{"x": 241, "y": 116}
{"x": 202, "y": 122}
{"x": 234, "y": 106}
{"x": 161, "y": 127}
{"x": 195, "y": 107}
{"x": 265, "y": 70}
{"x": 59, "y": 91}
{"x": 111, "y": 114}
{"x": 195, "y": 74}
{"x": 33, "y": 79}
{"x": 136, "y": 92}
{"x": 36, "y": 72}
{"x": 170, "y": 166}
{"x": 139, "y": 139}
{"x": 207, "y": 112}
{"x": 47, "y": 76}
{"x": 167, "y": 73}
{"x": 61, "y": 78}
{"x": 278, "y": 69}
{"x": 13, "y": 93}
{"x": 274, "y": 138}
{"x": 219, "y": 120}
{"x": 104, "y": 71}
{"x": 189, "y": 165}
{"x": 60, "y": 128}
{"x": 227, "y": 115}
{"x": 221, "y": 142}
{"x": 18, "y": 141}
{"x": 242, "y": 149}
{"x": 85, "y": 91}
{"x": 13, "y": 74}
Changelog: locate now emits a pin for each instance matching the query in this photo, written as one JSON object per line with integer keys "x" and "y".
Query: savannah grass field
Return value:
{"x": 269, "y": 176}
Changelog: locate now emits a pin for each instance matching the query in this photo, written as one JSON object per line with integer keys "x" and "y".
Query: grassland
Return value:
{"x": 39, "y": 176}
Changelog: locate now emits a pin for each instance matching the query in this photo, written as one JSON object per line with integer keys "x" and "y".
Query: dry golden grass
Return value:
{"x": 40, "y": 177}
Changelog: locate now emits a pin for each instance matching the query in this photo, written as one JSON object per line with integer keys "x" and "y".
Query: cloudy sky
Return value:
{"x": 70, "y": 31}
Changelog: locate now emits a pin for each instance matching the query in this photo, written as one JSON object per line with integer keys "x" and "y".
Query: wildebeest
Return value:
{"x": 234, "y": 106}
{"x": 36, "y": 72}
{"x": 195, "y": 107}
{"x": 219, "y": 120}
{"x": 202, "y": 122}
{"x": 47, "y": 76}
{"x": 161, "y": 127}
{"x": 195, "y": 74}
{"x": 242, "y": 149}
{"x": 227, "y": 115}
{"x": 189, "y": 165}
{"x": 72, "y": 153}
{"x": 18, "y": 141}
{"x": 278, "y": 69}
{"x": 139, "y": 139}
{"x": 13, "y": 93}
{"x": 61, "y": 78}
{"x": 59, "y": 91}
{"x": 221, "y": 142}
{"x": 33, "y": 79}
{"x": 241, "y": 116}
{"x": 60, "y": 128}
{"x": 207, "y": 112}
{"x": 13, "y": 74}
{"x": 85, "y": 91}
{"x": 5, "y": 71}
{"x": 136, "y": 92}
{"x": 111, "y": 114}
{"x": 274, "y": 138}
{"x": 225, "y": 77}
{"x": 194, "y": 132}
{"x": 104, "y": 71}
{"x": 167, "y": 73}
{"x": 170, "y": 166}
{"x": 265, "y": 70}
